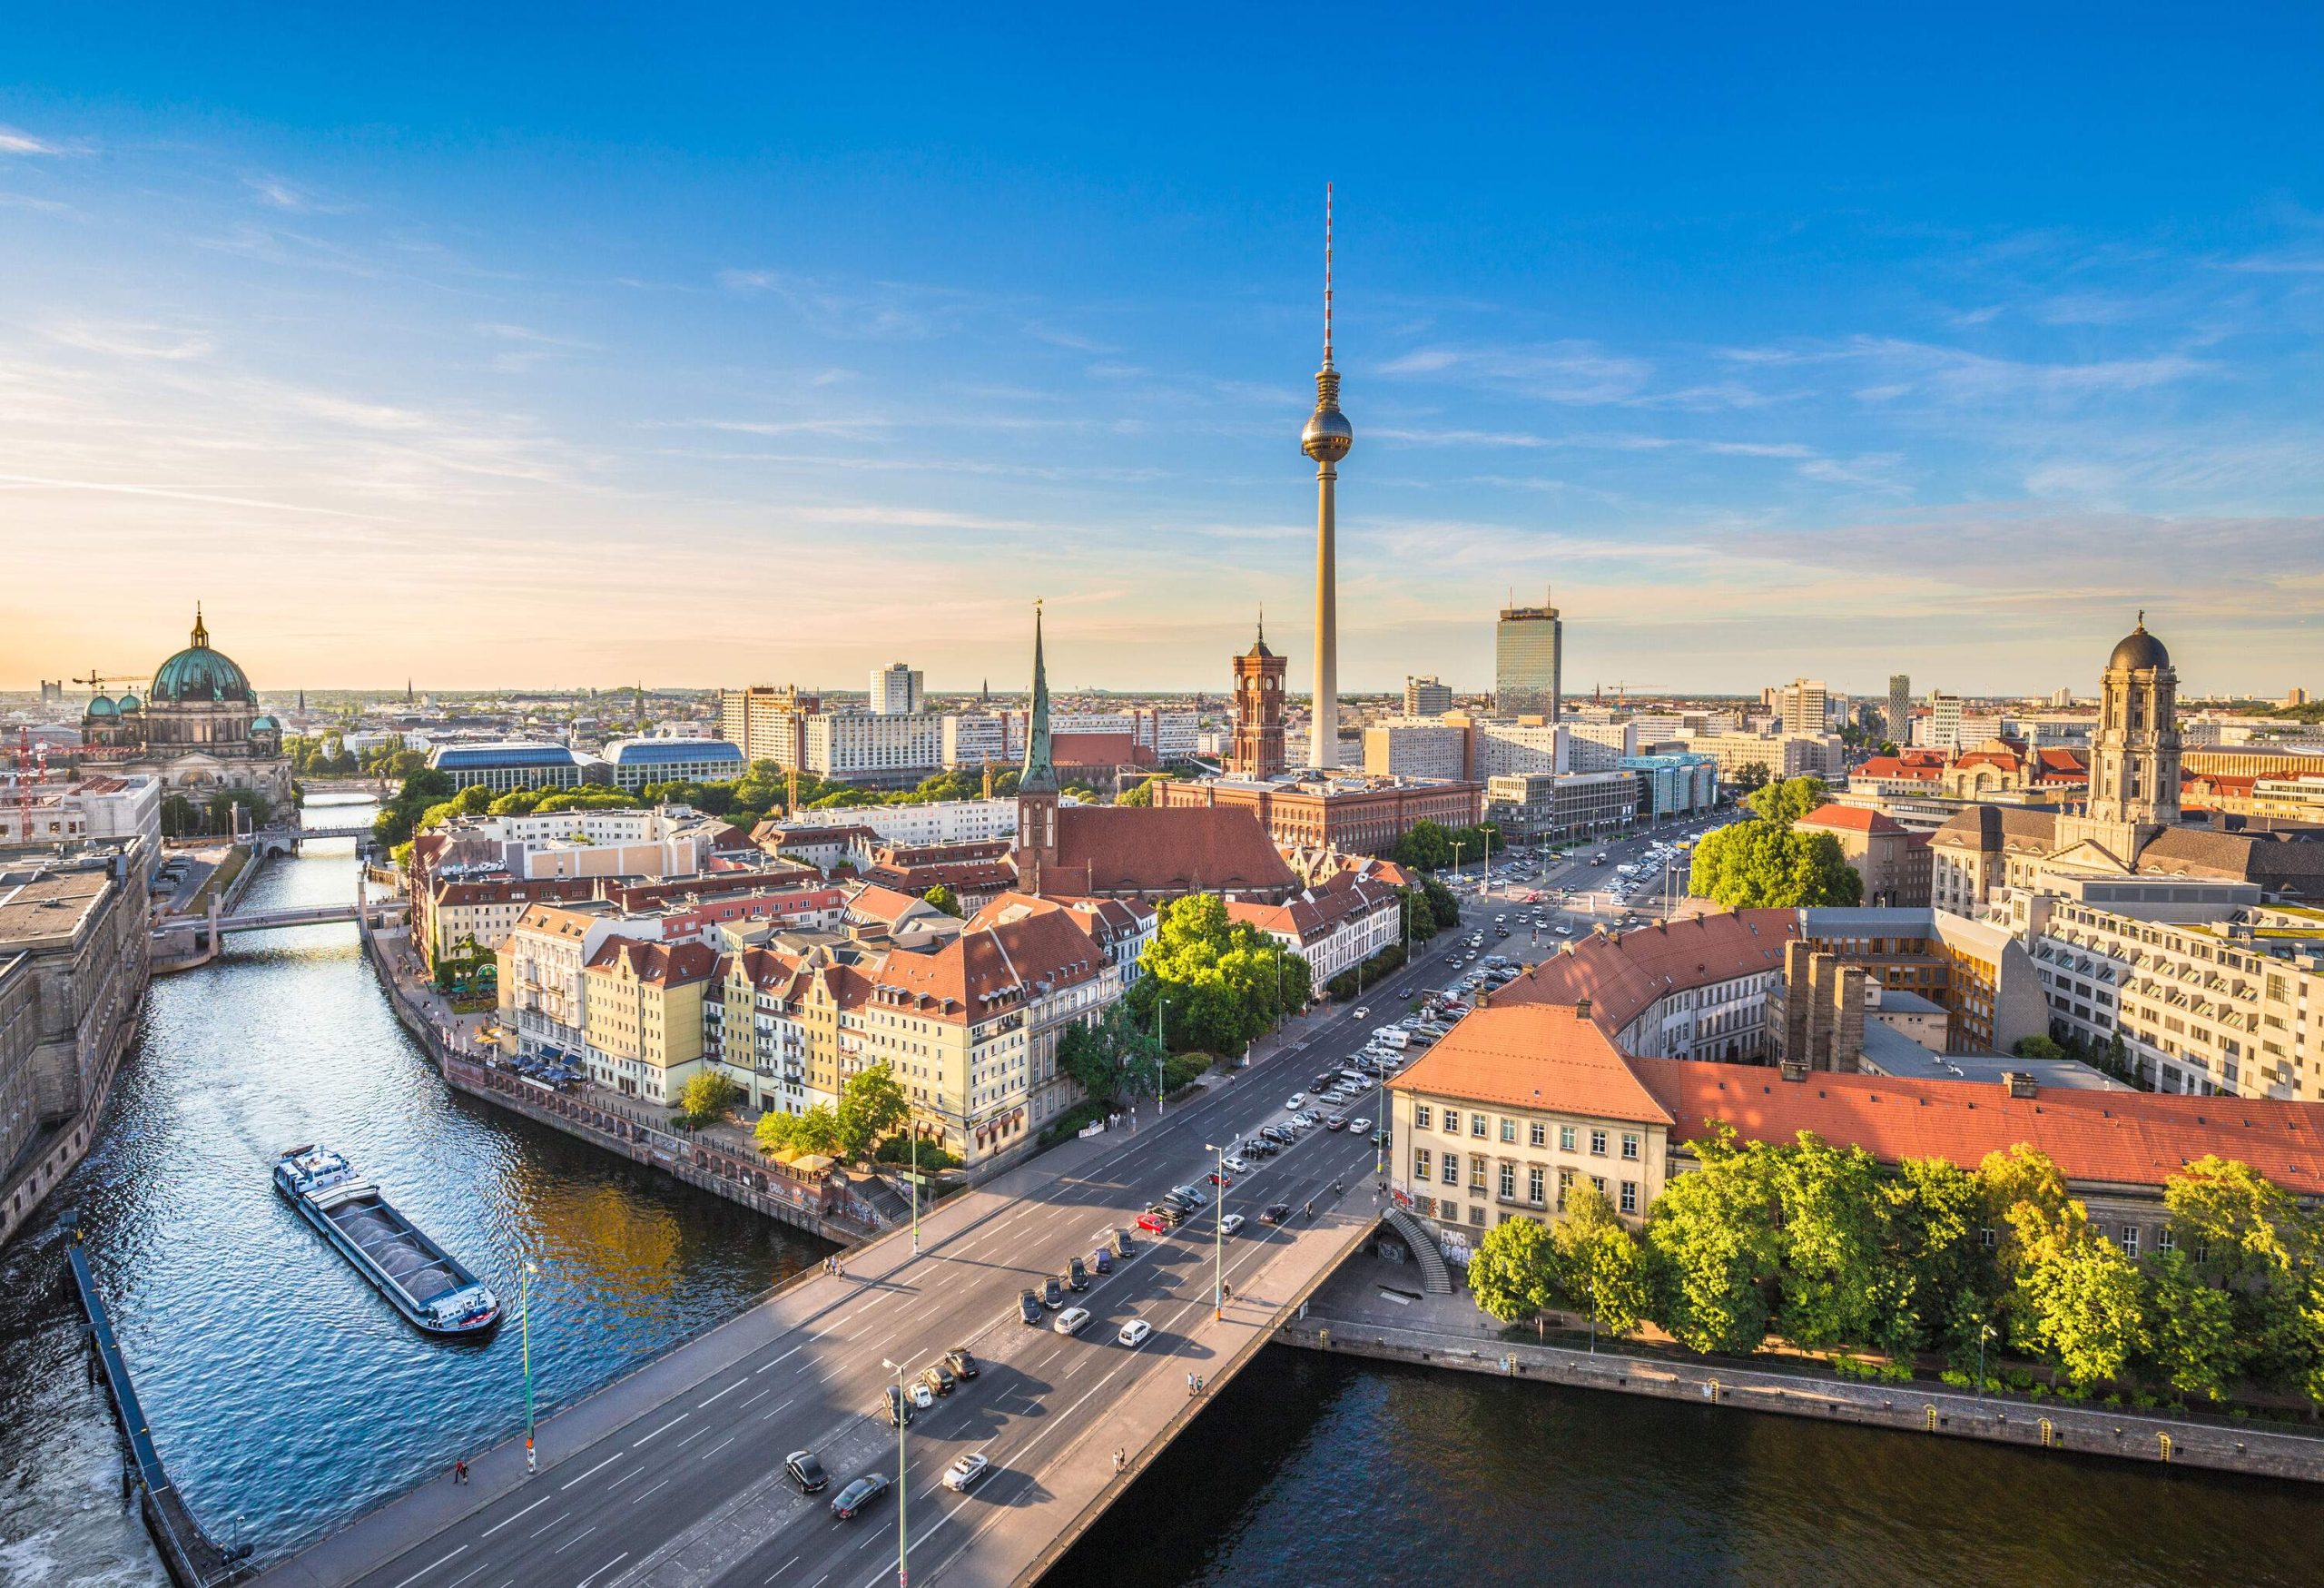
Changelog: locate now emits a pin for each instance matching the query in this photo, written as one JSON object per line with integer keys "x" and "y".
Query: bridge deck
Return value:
{"x": 673, "y": 1476}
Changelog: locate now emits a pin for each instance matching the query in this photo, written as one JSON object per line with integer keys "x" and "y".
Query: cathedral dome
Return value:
{"x": 102, "y": 706}
{"x": 199, "y": 674}
{"x": 127, "y": 703}
{"x": 2139, "y": 651}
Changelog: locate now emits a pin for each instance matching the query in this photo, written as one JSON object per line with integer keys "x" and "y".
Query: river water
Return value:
{"x": 286, "y": 1396}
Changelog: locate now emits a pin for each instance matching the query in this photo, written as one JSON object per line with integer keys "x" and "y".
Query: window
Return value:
{"x": 1630, "y": 1197}
{"x": 1509, "y": 1130}
{"x": 1509, "y": 1181}
{"x": 1565, "y": 1138}
{"x": 1452, "y": 1121}
{"x": 1421, "y": 1117}
{"x": 1630, "y": 1144}
{"x": 1477, "y": 1172}
{"x": 1477, "y": 1214}
{"x": 1420, "y": 1163}
{"x": 1596, "y": 1144}
{"x": 2130, "y": 1241}
{"x": 1477, "y": 1125}
{"x": 2166, "y": 1240}
{"x": 1599, "y": 1181}
{"x": 1985, "y": 1237}
{"x": 1534, "y": 1176}
{"x": 1537, "y": 1134}
{"x": 1565, "y": 1185}
{"x": 1452, "y": 1175}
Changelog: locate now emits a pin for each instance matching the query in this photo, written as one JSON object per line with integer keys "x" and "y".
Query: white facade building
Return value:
{"x": 895, "y": 690}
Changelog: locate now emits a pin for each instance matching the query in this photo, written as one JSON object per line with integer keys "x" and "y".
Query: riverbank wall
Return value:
{"x": 2055, "y": 1426}
{"x": 194, "y": 1560}
{"x": 830, "y": 1212}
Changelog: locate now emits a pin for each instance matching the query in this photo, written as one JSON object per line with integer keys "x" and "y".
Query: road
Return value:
{"x": 1594, "y": 901}
{"x": 689, "y": 1489}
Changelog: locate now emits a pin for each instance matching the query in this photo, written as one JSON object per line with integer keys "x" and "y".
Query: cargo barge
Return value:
{"x": 422, "y": 1281}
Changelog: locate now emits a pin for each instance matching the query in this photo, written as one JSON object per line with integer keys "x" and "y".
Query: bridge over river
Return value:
{"x": 673, "y": 1476}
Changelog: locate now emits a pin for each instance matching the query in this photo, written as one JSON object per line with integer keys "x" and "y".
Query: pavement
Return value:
{"x": 674, "y": 1476}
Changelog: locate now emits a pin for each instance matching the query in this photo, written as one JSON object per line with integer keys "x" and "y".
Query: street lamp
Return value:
{"x": 903, "y": 1415}
{"x": 915, "y": 1188}
{"x": 1218, "y": 1239}
{"x": 1985, "y": 1333}
{"x": 525, "y": 1335}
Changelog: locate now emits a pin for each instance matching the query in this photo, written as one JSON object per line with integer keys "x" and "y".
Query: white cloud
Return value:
{"x": 14, "y": 140}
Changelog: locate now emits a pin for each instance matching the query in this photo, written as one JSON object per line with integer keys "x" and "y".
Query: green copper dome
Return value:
{"x": 102, "y": 707}
{"x": 199, "y": 674}
{"x": 127, "y": 703}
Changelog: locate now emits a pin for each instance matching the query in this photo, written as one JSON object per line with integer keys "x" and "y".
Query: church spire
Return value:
{"x": 200, "y": 631}
{"x": 1039, "y": 775}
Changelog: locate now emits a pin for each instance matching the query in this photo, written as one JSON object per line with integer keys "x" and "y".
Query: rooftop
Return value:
{"x": 1544, "y": 1056}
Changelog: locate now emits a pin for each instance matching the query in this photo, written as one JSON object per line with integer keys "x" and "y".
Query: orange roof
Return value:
{"x": 2113, "y": 1138}
{"x": 1128, "y": 849}
{"x": 990, "y": 968}
{"x": 1536, "y": 1056}
{"x": 1915, "y": 767}
{"x": 1098, "y": 750}
{"x": 663, "y": 964}
{"x": 1849, "y": 819}
{"x": 1621, "y": 975}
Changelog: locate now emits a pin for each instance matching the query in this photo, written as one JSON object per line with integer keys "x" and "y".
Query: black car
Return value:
{"x": 1276, "y": 1212}
{"x": 806, "y": 1472}
{"x": 1028, "y": 1306}
{"x": 898, "y": 1408}
{"x": 1124, "y": 1243}
{"x": 1077, "y": 1276}
{"x": 961, "y": 1362}
{"x": 939, "y": 1379}
{"x": 1052, "y": 1295}
{"x": 1168, "y": 1213}
{"x": 858, "y": 1494}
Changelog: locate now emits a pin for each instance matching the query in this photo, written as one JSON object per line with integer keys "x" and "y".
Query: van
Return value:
{"x": 1395, "y": 1038}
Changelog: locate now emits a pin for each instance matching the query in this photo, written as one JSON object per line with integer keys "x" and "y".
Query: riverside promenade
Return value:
{"x": 1377, "y": 1309}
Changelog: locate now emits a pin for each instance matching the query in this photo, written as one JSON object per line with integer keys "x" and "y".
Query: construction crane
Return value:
{"x": 30, "y": 771}
{"x": 1621, "y": 691}
{"x": 97, "y": 681}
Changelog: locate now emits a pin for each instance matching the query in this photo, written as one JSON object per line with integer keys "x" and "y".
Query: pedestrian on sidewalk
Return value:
{"x": 1190, "y": 1387}
{"x": 460, "y": 1471}
{"x": 1120, "y": 1461}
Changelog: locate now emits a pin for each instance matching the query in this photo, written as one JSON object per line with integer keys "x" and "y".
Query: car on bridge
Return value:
{"x": 806, "y": 1472}
{"x": 1275, "y": 1213}
{"x": 899, "y": 1407}
{"x": 1135, "y": 1333}
{"x": 921, "y": 1393}
{"x": 1028, "y": 1306}
{"x": 1124, "y": 1243}
{"x": 1230, "y": 1224}
{"x": 1076, "y": 1277}
{"x": 938, "y": 1377}
{"x": 1072, "y": 1320}
{"x": 963, "y": 1362}
{"x": 967, "y": 1471}
{"x": 1052, "y": 1294}
{"x": 850, "y": 1500}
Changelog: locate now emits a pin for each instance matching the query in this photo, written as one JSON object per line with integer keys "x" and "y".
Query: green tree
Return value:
{"x": 2251, "y": 1239}
{"x": 1829, "y": 1203}
{"x": 1934, "y": 1289}
{"x": 1760, "y": 864}
{"x": 944, "y": 899}
{"x": 1428, "y": 847}
{"x": 815, "y": 1132}
{"x": 1600, "y": 1267}
{"x": 2191, "y": 1341}
{"x": 707, "y": 1095}
{"x": 1714, "y": 1248}
{"x": 871, "y": 1105}
{"x": 1219, "y": 982}
{"x": 2038, "y": 1046}
{"x": 1784, "y": 802}
{"x": 1750, "y": 775}
{"x": 2023, "y": 1195}
{"x": 1442, "y": 904}
{"x": 1143, "y": 794}
{"x": 1111, "y": 1057}
{"x": 2082, "y": 1297}
{"x": 1513, "y": 1272}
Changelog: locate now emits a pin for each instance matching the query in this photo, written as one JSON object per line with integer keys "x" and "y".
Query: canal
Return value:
{"x": 286, "y": 1396}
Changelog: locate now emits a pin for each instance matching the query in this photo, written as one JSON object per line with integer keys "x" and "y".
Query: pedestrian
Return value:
{"x": 460, "y": 1471}
{"x": 1190, "y": 1387}
{"x": 1120, "y": 1461}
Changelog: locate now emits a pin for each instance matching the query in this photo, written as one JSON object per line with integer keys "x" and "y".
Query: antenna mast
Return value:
{"x": 1327, "y": 275}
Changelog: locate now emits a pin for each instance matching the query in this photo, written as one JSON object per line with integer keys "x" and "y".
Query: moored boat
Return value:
{"x": 420, "y": 1279}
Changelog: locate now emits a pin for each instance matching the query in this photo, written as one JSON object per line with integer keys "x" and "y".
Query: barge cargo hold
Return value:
{"x": 425, "y": 1283}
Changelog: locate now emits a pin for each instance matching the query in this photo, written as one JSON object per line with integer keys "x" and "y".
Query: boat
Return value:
{"x": 424, "y": 1282}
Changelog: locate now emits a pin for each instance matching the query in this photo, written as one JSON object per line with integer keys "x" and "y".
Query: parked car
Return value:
{"x": 1236, "y": 1166}
{"x": 1124, "y": 1243}
{"x": 1336, "y": 1122}
{"x": 898, "y": 1408}
{"x": 1052, "y": 1294}
{"x": 1102, "y": 1259}
{"x": 851, "y": 1499}
{"x": 963, "y": 1362}
{"x": 1135, "y": 1333}
{"x": 1230, "y": 1224}
{"x": 939, "y": 1378}
{"x": 1154, "y": 1221}
{"x": 921, "y": 1395}
{"x": 967, "y": 1471}
{"x": 1275, "y": 1213}
{"x": 1028, "y": 1306}
{"x": 1076, "y": 1277}
{"x": 806, "y": 1472}
{"x": 1220, "y": 1179}
{"x": 1071, "y": 1320}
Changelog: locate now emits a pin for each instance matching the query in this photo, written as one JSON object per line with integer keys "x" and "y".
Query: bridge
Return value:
{"x": 674, "y": 1476}
{"x": 380, "y": 913}
{"x": 286, "y": 840}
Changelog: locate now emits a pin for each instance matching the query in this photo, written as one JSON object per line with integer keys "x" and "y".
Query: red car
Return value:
{"x": 1219, "y": 1179}
{"x": 1153, "y": 1222}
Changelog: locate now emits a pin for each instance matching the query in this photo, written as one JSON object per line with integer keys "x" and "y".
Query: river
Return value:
{"x": 285, "y": 1396}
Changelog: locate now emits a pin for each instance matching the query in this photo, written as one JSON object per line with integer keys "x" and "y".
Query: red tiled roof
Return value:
{"x": 1621, "y": 975}
{"x": 507, "y": 891}
{"x": 2138, "y": 1139}
{"x": 1536, "y": 1056}
{"x": 873, "y": 903}
{"x": 1098, "y": 750}
{"x": 1128, "y": 849}
{"x": 982, "y": 971}
{"x": 663, "y": 964}
{"x": 1849, "y": 819}
{"x": 1895, "y": 766}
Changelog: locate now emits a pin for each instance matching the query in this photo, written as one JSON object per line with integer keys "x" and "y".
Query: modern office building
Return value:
{"x": 1528, "y": 657}
{"x": 635, "y": 762}
{"x": 507, "y": 766}
{"x": 1944, "y": 721}
{"x": 1900, "y": 708}
{"x": 1546, "y": 807}
{"x": 1804, "y": 705}
{"x": 1427, "y": 696}
{"x": 895, "y": 690}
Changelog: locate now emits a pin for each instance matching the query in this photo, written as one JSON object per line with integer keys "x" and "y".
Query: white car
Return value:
{"x": 921, "y": 1395}
{"x": 1361, "y": 1013}
{"x": 1236, "y": 1166}
{"x": 1072, "y": 1320}
{"x": 1358, "y": 1127}
{"x": 1226, "y": 1225}
{"x": 966, "y": 1471}
{"x": 1135, "y": 1333}
{"x": 1298, "y": 1102}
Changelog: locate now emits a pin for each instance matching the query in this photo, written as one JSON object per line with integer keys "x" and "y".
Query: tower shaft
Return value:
{"x": 1324, "y": 742}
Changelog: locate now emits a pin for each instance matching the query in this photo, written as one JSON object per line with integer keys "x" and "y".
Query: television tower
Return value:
{"x": 1326, "y": 440}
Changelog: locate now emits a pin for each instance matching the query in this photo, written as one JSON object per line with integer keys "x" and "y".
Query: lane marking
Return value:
{"x": 665, "y": 1427}
{"x": 756, "y": 1398}
{"x": 722, "y": 1445}
{"x": 505, "y": 1521}
{"x": 601, "y": 1466}
{"x": 633, "y": 1471}
{"x": 576, "y": 1538}
{"x": 430, "y": 1567}
{"x": 782, "y": 1568}
{"x": 730, "y": 1389}
{"x": 601, "y": 1571}
{"x": 642, "y": 1493}
{"x": 786, "y": 1357}
{"x": 690, "y": 1438}
{"x": 552, "y": 1522}
{"x": 775, "y": 1408}
{"x": 464, "y": 1576}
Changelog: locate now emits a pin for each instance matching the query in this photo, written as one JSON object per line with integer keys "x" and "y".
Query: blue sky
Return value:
{"x": 532, "y": 345}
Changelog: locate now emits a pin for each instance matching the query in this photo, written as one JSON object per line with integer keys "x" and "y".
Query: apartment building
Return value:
{"x": 861, "y": 746}
{"x": 1427, "y": 696}
{"x": 1334, "y": 926}
{"x": 1781, "y": 754}
{"x": 1803, "y": 707}
{"x": 642, "y": 1015}
{"x": 1891, "y": 859}
{"x": 939, "y": 822}
{"x": 543, "y": 994}
{"x": 997, "y": 738}
{"x": 896, "y": 690}
{"x": 1695, "y": 987}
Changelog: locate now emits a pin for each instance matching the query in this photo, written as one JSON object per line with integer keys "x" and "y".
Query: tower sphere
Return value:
{"x": 1328, "y": 435}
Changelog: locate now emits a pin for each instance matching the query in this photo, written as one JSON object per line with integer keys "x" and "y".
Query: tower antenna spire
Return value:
{"x": 1327, "y": 275}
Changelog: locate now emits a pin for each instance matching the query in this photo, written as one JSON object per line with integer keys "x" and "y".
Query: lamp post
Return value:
{"x": 1161, "y": 1054}
{"x": 525, "y": 1334}
{"x": 1218, "y": 1239}
{"x": 915, "y": 1188}
{"x": 1985, "y": 1333}
{"x": 904, "y": 1417}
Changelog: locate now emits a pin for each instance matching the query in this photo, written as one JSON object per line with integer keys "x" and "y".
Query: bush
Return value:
{"x": 1354, "y": 984}
{"x": 1953, "y": 1378}
{"x": 1071, "y": 1122}
{"x": 933, "y": 1160}
{"x": 707, "y": 1095}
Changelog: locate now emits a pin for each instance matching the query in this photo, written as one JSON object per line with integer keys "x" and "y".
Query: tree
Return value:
{"x": 1714, "y": 1247}
{"x": 1427, "y": 846}
{"x": 871, "y": 1105}
{"x": 2191, "y": 1342}
{"x": 1936, "y": 1288}
{"x": 944, "y": 899}
{"x": 2082, "y": 1297}
{"x": 2038, "y": 1046}
{"x": 815, "y": 1132}
{"x": 1442, "y": 904}
{"x": 1601, "y": 1269}
{"x": 707, "y": 1095}
{"x": 2251, "y": 1240}
{"x": 1759, "y": 864}
{"x": 1784, "y": 802}
{"x": 1750, "y": 775}
{"x": 1143, "y": 794}
{"x": 1514, "y": 1273}
{"x": 1832, "y": 1257}
{"x": 2023, "y": 1194}
{"x": 1111, "y": 1057}
{"x": 1219, "y": 982}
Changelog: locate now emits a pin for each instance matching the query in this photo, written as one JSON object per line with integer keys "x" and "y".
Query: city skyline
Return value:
{"x": 464, "y": 363}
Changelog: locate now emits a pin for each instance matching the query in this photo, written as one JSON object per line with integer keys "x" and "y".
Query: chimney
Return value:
{"x": 1581, "y": 1009}
{"x": 2018, "y": 1083}
{"x": 1793, "y": 1070}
